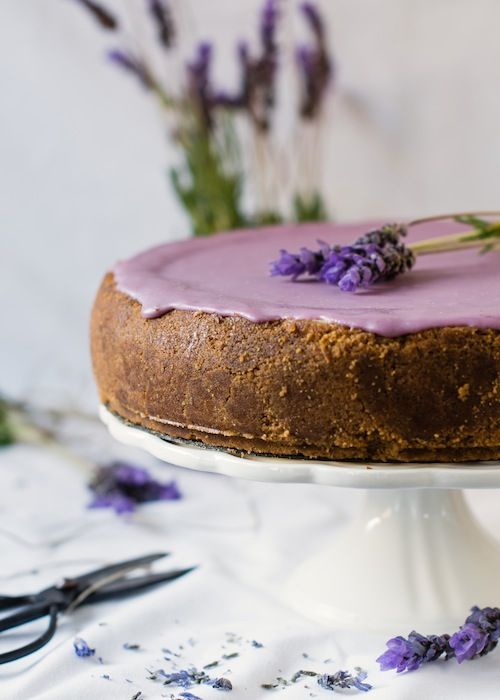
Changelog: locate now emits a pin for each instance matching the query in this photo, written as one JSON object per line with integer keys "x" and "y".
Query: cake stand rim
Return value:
{"x": 345, "y": 474}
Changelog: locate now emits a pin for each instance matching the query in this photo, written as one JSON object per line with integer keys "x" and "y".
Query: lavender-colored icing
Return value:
{"x": 228, "y": 274}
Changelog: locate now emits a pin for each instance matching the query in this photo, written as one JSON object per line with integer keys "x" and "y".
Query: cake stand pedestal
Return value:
{"x": 414, "y": 557}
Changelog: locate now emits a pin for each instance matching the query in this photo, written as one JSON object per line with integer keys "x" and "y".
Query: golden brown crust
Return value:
{"x": 299, "y": 387}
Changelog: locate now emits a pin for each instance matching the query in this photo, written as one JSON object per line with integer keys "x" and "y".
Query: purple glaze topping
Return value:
{"x": 228, "y": 274}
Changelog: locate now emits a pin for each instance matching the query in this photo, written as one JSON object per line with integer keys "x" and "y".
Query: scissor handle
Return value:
{"x": 37, "y": 643}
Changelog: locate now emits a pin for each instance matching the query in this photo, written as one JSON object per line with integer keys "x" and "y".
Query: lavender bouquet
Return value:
{"x": 232, "y": 172}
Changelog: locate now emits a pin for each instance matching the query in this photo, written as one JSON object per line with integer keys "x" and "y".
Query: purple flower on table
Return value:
{"x": 488, "y": 620}
{"x": 132, "y": 64}
{"x": 162, "y": 16}
{"x": 123, "y": 487}
{"x": 81, "y": 648}
{"x": 468, "y": 642}
{"x": 408, "y": 654}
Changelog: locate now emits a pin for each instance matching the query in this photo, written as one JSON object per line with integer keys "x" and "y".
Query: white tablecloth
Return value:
{"x": 245, "y": 542}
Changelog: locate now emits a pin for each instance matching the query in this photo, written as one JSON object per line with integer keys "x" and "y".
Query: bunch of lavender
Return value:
{"x": 207, "y": 121}
{"x": 380, "y": 255}
{"x": 476, "y": 637}
{"x": 124, "y": 486}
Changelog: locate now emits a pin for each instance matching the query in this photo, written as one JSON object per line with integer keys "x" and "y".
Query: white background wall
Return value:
{"x": 415, "y": 128}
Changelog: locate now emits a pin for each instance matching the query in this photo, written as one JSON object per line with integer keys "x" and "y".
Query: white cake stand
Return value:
{"x": 415, "y": 557}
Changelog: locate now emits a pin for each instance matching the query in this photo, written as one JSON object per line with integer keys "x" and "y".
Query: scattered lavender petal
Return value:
{"x": 81, "y": 648}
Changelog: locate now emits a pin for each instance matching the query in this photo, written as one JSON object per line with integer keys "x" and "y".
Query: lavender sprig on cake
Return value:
{"x": 381, "y": 255}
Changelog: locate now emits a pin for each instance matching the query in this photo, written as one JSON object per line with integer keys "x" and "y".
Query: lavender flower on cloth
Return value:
{"x": 81, "y": 648}
{"x": 123, "y": 487}
{"x": 409, "y": 654}
{"x": 377, "y": 256}
{"x": 476, "y": 637}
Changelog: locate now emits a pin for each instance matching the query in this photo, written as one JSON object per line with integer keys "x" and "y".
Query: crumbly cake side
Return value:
{"x": 305, "y": 388}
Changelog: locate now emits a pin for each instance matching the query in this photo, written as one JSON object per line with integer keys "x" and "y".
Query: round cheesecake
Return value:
{"x": 194, "y": 340}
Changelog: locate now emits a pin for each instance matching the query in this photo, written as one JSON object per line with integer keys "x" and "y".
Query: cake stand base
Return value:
{"x": 414, "y": 558}
{"x": 411, "y": 559}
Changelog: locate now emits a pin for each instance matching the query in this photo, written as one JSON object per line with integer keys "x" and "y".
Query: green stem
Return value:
{"x": 488, "y": 238}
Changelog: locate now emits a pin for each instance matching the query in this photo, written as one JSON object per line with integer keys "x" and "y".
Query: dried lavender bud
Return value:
{"x": 81, "y": 648}
{"x": 101, "y": 15}
{"x": 376, "y": 256}
{"x": 162, "y": 16}
{"x": 123, "y": 486}
{"x": 222, "y": 684}
{"x": 132, "y": 64}
{"x": 344, "y": 680}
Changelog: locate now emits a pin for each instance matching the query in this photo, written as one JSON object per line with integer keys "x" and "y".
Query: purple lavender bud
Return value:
{"x": 488, "y": 620}
{"x": 123, "y": 487}
{"x": 268, "y": 25}
{"x": 468, "y": 642}
{"x": 409, "y": 654}
{"x": 314, "y": 64}
{"x": 287, "y": 265}
{"x": 81, "y": 648}
{"x": 162, "y": 16}
{"x": 312, "y": 15}
{"x": 134, "y": 65}
{"x": 102, "y": 15}
{"x": 199, "y": 82}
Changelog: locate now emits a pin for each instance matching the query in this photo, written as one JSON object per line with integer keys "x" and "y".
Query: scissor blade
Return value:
{"x": 135, "y": 584}
{"x": 128, "y": 565}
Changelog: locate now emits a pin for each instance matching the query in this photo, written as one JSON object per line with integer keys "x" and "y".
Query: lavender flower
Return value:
{"x": 199, "y": 83}
{"x": 128, "y": 62}
{"x": 162, "y": 16}
{"x": 409, "y": 654}
{"x": 312, "y": 15}
{"x": 82, "y": 648}
{"x": 468, "y": 642}
{"x": 344, "y": 680}
{"x": 376, "y": 256}
{"x": 123, "y": 486}
{"x": 189, "y": 696}
{"x": 476, "y": 637}
{"x": 101, "y": 15}
{"x": 257, "y": 92}
{"x": 314, "y": 63}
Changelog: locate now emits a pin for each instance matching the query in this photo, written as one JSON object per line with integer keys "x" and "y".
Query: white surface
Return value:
{"x": 247, "y": 537}
{"x": 428, "y": 585}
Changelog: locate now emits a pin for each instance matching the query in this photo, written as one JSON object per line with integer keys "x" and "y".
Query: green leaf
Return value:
{"x": 6, "y": 432}
{"x": 310, "y": 207}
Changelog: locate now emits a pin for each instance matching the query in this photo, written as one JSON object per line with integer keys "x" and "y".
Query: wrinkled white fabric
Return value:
{"x": 245, "y": 537}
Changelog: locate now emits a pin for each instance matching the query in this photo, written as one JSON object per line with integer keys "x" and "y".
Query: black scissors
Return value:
{"x": 103, "y": 584}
